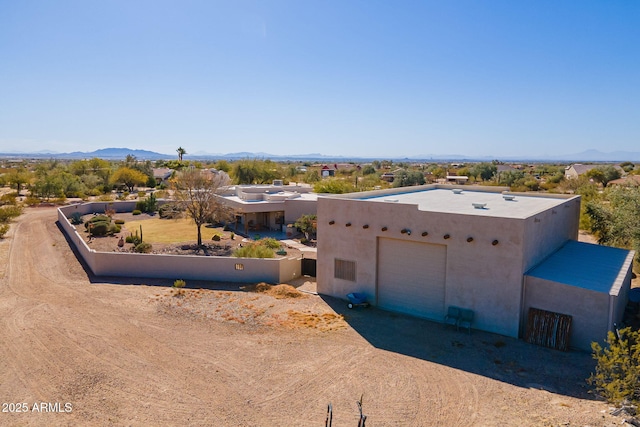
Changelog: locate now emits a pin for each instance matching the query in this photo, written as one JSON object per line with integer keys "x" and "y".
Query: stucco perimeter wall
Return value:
{"x": 548, "y": 230}
{"x": 228, "y": 269}
{"x": 589, "y": 309}
{"x": 481, "y": 276}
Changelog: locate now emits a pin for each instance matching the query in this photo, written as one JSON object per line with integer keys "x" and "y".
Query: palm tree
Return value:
{"x": 181, "y": 152}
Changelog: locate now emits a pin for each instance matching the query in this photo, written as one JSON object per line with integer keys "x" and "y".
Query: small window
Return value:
{"x": 239, "y": 266}
{"x": 345, "y": 270}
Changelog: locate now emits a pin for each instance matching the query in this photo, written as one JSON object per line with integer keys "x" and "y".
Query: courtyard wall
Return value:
{"x": 193, "y": 267}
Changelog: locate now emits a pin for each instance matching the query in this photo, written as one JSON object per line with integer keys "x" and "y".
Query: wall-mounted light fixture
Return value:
{"x": 495, "y": 242}
{"x": 406, "y": 231}
{"x": 469, "y": 239}
{"x": 348, "y": 224}
{"x": 446, "y": 236}
{"x": 425, "y": 233}
{"x": 365, "y": 226}
{"x": 384, "y": 228}
{"x": 332, "y": 222}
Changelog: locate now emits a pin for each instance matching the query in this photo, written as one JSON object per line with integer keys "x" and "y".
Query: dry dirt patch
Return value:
{"x": 258, "y": 305}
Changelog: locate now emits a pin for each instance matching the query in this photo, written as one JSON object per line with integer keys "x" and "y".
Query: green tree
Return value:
{"x": 484, "y": 170}
{"x": 196, "y": 192}
{"x": 128, "y": 177}
{"x": 614, "y": 218}
{"x": 308, "y": 224}
{"x": 617, "y": 374}
{"x": 333, "y": 186}
{"x": 368, "y": 170}
{"x": 18, "y": 178}
{"x": 181, "y": 152}
{"x": 255, "y": 171}
{"x": 603, "y": 174}
{"x": 408, "y": 178}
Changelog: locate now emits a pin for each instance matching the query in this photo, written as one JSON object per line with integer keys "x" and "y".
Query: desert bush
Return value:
{"x": 4, "y": 229}
{"x": 31, "y": 201}
{"x": 270, "y": 242}
{"x": 143, "y": 248}
{"x": 617, "y": 375}
{"x": 134, "y": 239}
{"x": 7, "y": 213}
{"x": 136, "y": 212}
{"x": 76, "y": 218}
{"x": 97, "y": 218}
{"x": 254, "y": 250}
{"x": 100, "y": 228}
{"x": 179, "y": 283}
{"x": 170, "y": 211}
{"x": 141, "y": 205}
{"x": 8, "y": 199}
{"x": 216, "y": 238}
{"x": 119, "y": 221}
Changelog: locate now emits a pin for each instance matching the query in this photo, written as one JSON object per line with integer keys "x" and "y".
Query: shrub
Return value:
{"x": 100, "y": 228}
{"x": 8, "y": 199}
{"x": 143, "y": 248}
{"x": 133, "y": 239}
{"x": 136, "y": 212}
{"x": 270, "y": 242}
{"x": 179, "y": 283}
{"x": 141, "y": 205}
{"x": 4, "y": 229}
{"x": 76, "y": 218}
{"x": 170, "y": 211}
{"x": 119, "y": 221}
{"x": 31, "y": 201}
{"x": 617, "y": 376}
{"x": 7, "y": 213}
{"x": 98, "y": 218}
{"x": 216, "y": 238}
{"x": 254, "y": 250}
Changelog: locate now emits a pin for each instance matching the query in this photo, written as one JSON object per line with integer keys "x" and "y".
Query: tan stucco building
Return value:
{"x": 421, "y": 249}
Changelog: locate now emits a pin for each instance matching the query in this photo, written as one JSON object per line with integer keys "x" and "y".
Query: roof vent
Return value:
{"x": 479, "y": 205}
{"x": 457, "y": 191}
{"x": 508, "y": 197}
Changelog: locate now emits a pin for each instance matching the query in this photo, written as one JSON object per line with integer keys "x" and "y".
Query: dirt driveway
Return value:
{"x": 128, "y": 352}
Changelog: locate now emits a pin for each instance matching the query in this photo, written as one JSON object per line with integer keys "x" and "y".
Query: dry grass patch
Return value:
{"x": 277, "y": 291}
{"x": 319, "y": 321}
{"x": 157, "y": 230}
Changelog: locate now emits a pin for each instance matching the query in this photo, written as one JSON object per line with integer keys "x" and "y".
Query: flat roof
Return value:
{"x": 464, "y": 201}
{"x": 586, "y": 265}
{"x": 288, "y": 194}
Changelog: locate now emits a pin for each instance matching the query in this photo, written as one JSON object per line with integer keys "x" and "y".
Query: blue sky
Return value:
{"x": 337, "y": 77}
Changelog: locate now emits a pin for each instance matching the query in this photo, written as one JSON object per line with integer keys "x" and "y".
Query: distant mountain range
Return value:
{"x": 122, "y": 153}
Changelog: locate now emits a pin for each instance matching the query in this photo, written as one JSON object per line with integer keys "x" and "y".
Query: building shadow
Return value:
{"x": 481, "y": 353}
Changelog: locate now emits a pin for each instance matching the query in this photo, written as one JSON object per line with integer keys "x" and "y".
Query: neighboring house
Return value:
{"x": 269, "y": 207}
{"x": 422, "y": 249}
{"x": 456, "y": 179}
{"x": 627, "y": 180}
{"x": 328, "y": 170}
{"x": 162, "y": 175}
{"x": 574, "y": 171}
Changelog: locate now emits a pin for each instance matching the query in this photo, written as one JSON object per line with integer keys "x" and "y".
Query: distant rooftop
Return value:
{"x": 587, "y": 266}
{"x": 468, "y": 201}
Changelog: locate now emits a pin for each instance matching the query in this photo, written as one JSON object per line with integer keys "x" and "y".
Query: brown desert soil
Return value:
{"x": 137, "y": 352}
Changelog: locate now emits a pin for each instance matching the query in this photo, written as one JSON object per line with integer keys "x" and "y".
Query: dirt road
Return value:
{"x": 115, "y": 352}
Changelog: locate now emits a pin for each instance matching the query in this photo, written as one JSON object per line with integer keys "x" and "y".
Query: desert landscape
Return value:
{"x": 113, "y": 351}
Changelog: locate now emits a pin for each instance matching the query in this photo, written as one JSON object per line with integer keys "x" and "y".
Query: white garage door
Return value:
{"x": 411, "y": 277}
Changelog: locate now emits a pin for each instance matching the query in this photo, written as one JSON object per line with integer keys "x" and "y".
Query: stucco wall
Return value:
{"x": 174, "y": 266}
{"x": 589, "y": 309}
{"x": 548, "y": 230}
{"x": 484, "y": 277}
